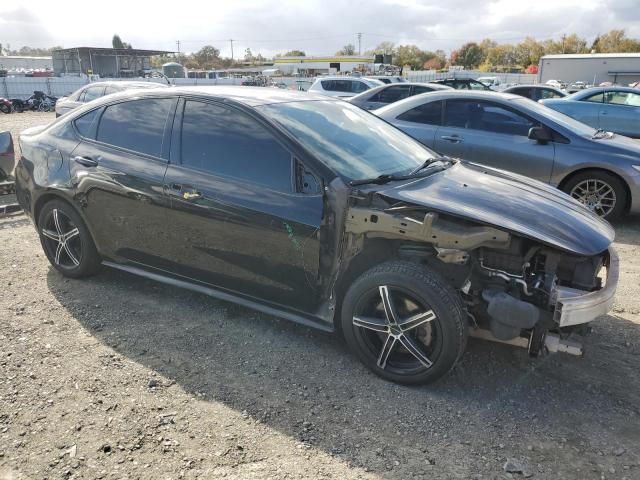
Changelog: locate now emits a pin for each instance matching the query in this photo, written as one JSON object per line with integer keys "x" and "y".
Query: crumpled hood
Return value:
{"x": 511, "y": 202}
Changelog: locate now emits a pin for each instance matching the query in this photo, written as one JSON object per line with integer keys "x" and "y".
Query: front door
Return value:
{"x": 495, "y": 135}
{"x": 239, "y": 218}
{"x": 118, "y": 172}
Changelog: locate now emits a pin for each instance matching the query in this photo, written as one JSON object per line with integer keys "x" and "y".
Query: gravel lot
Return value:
{"x": 120, "y": 377}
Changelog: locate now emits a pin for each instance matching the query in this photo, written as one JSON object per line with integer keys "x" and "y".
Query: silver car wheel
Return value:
{"x": 596, "y": 195}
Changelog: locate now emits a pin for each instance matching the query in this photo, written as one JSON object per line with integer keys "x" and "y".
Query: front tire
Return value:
{"x": 404, "y": 322}
{"x": 601, "y": 192}
{"x": 66, "y": 240}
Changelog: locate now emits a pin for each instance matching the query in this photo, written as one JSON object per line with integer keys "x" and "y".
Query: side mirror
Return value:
{"x": 540, "y": 134}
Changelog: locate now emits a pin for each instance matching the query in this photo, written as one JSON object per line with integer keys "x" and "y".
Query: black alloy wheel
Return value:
{"x": 404, "y": 322}
{"x": 66, "y": 240}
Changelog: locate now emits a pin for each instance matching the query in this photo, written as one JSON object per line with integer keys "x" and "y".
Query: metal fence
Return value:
{"x": 504, "y": 78}
{"x": 23, "y": 87}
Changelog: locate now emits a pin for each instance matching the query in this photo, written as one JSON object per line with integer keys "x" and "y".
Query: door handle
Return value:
{"x": 191, "y": 195}
{"x": 86, "y": 161}
{"x": 452, "y": 138}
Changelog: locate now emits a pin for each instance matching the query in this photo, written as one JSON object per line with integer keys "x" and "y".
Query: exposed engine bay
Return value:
{"x": 512, "y": 286}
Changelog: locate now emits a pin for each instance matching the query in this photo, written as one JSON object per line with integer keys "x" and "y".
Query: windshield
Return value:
{"x": 561, "y": 119}
{"x": 354, "y": 143}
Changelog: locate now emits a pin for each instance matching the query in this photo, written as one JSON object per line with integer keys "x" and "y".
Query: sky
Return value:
{"x": 315, "y": 26}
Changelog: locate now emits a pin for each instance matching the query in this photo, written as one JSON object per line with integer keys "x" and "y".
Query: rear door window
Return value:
{"x": 226, "y": 142}
{"x": 393, "y": 94}
{"x": 137, "y": 125}
{"x": 92, "y": 93}
{"x": 596, "y": 98}
{"x": 427, "y": 113}
{"x": 358, "y": 86}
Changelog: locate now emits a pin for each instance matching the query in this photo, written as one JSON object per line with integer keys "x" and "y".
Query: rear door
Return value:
{"x": 494, "y": 134}
{"x": 422, "y": 123}
{"x": 620, "y": 113}
{"x": 241, "y": 218}
{"x": 118, "y": 172}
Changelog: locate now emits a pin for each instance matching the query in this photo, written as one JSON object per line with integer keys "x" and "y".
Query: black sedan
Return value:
{"x": 313, "y": 210}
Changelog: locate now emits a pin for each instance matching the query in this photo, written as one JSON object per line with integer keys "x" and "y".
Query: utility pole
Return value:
{"x": 564, "y": 37}
{"x": 178, "y": 45}
{"x": 231, "y": 41}
{"x": 359, "y": 43}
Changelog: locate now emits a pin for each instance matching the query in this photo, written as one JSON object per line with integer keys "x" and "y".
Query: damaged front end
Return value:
{"x": 517, "y": 289}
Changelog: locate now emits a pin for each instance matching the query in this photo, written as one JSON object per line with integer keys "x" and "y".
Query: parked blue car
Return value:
{"x": 613, "y": 109}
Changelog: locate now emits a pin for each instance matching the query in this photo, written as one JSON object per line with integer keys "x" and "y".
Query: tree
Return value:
{"x": 347, "y": 50}
{"x": 207, "y": 57}
{"x": 384, "y": 48}
{"x": 470, "y": 55}
{"x": 294, "y": 53}
{"x": 248, "y": 56}
{"x": 616, "y": 41}
{"x": 116, "y": 42}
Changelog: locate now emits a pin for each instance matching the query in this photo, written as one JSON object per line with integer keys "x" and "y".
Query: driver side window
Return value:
{"x": 226, "y": 142}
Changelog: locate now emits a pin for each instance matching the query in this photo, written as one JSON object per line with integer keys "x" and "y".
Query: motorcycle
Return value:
{"x": 5, "y": 105}
{"x": 41, "y": 102}
{"x": 18, "y": 105}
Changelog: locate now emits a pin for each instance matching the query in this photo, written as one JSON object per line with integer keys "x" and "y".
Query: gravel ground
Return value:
{"x": 120, "y": 377}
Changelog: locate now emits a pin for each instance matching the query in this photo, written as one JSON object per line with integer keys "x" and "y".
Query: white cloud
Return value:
{"x": 316, "y": 26}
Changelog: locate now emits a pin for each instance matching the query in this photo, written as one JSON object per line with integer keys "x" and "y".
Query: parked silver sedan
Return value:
{"x": 96, "y": 90}
{"x": 599, "y": 169}
{"x": 385, "y": 94}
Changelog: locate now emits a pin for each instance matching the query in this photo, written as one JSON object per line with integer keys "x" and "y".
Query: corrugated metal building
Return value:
{"x": 594, "y": 68}
{"x": 13, "y": 62}
{"x": 106, "y": 62}
{"x": 319, "y": 65}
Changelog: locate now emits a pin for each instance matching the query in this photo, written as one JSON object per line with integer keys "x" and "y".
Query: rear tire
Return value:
{"x": 66, "y": 240}
{"x": 429, "y": 334}
{"x": 601, "y": 192}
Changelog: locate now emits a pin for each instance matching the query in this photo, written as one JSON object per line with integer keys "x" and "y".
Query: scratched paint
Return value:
{"x": 291, "y": 235}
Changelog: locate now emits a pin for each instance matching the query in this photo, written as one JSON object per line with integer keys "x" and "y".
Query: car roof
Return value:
{"x": 250, "y": 96}
{"x": 128, "y": 83}
{"x": 533, "y": 85}
{"x": 416, "y": 100}
{"x": 372, "y": 91}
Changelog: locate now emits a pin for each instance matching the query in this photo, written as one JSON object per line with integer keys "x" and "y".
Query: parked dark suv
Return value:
{"x": 311, "y": 209}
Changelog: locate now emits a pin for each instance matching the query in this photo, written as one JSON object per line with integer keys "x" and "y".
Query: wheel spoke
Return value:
{"x": 59, "y": 250}
{"x": 375, "y": 324}
{"x": 51, "y": 235}
{"x": 71, "y": 255}
{"x": 417, "y": 320}
{"x": 70, "y": 234}
{"x": 387, "y": 302}
{"x": 56, "y": 220}
{"x": 386, "y": 351}
{"x": 413, "y": 349}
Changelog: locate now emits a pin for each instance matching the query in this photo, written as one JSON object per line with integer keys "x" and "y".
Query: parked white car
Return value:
{"x": 96, "y": 90}
{"x": 343, "y": 87}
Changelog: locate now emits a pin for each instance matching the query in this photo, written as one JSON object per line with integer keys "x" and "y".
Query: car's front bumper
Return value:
{"x": 573, "y": 307}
